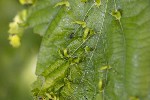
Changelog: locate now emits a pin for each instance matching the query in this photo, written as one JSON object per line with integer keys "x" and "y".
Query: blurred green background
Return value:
{"x": 17, "y": 65}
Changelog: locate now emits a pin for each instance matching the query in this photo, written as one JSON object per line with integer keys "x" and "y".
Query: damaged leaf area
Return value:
{"x": 92, "y": 49}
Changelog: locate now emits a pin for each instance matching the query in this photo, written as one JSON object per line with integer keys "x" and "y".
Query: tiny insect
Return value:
{"x": 105, "y": 68}
{"x": 97, "y": 3}
{"x": 87, "y": 49}
{"x": 66, "y": 3}
{"x": 51, "y": 96}
{"x": 101, "y": 85}
{"x": 77, "y": 60}
{"x": 63, "y": 53}
{"x": 82, "y": 23}
{"x": 117, "y": 14}
{"x": 71, "y": 35}
{"x": 87, "y": 32}
{"x": 66, "y": 53}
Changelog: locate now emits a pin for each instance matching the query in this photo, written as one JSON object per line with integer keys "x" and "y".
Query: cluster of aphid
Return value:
{"x": 86, "y": 34}
{"x": 103, "y": 80}
{"x": 65, "y": 54}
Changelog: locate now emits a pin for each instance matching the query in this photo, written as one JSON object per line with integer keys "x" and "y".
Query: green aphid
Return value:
{"x": 87, "y": 32}
{"x": 101, "y": 85}
{"x": 51, "y": 96}
{"x": 65, "y": 3}
{"x": 63, "y": 53}
{"x": 105, "y": 68}
{"x": 75, "y": 60}
{"x": 87, "y": 49}
{"x": 116, "y": 14}
{"x": 66, "y": 53}
{"x": 97, "y": 3}
{"x": 82, "y": 23}
{"x": 91, "y": 32}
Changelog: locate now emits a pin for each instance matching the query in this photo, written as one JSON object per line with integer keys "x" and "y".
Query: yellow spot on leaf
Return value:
{"x": 14, "y": 40}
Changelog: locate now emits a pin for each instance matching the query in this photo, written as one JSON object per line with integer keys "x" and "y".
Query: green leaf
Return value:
{"x": 121, "y": 41}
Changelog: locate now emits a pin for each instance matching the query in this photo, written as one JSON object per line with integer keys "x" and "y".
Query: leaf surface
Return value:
{"x": 122, "y": 44}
